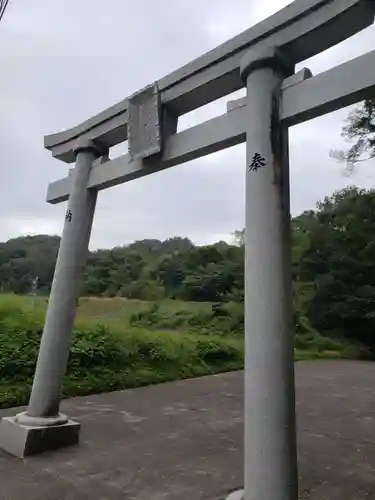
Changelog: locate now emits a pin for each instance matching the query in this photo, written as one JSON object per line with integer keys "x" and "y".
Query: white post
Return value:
{"x": 43, "y": 408}
{"x": 270, "y": 436}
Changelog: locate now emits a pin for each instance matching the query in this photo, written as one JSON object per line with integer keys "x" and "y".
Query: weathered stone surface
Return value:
{"x": 23, "y": 440}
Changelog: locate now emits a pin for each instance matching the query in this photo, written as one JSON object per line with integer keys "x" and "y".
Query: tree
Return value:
{"x": 171, "y": 272}
{"x": 360, "y": 126}
{"x": 22, "y": 259}
{"x": 340, "y": 260}
{"x": 239, "y": 237}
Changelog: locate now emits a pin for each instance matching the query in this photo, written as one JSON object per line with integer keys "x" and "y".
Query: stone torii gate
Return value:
{"x": 262, "y": 59}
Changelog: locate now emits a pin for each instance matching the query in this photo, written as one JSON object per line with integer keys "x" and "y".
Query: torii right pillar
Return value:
{"x": 270, "y": 468}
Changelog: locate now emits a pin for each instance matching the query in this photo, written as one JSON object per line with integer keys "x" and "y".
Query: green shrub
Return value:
{"x": 20, "y": 334}
{"x": 103, "y": 359}
{"x": 222, "y": 319}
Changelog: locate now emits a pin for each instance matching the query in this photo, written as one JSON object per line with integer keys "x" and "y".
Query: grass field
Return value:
{"x": 106, "y": 310}
{"x": 118, "y": 309}
{"x": 119, "y": 343}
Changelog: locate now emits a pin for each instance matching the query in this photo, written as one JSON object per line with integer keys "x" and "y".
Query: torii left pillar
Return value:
{"x": 42, "y": 426}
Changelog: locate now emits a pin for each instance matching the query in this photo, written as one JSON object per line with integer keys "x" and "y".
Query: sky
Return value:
{"x": 64, "y": 61}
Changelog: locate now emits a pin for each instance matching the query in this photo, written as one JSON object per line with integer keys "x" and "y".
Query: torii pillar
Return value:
{"x": 270, "y": 435}
{"x": 42, "y": 426}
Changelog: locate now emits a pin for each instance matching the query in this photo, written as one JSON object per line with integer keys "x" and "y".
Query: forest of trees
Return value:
{"x": 333, "y": 268}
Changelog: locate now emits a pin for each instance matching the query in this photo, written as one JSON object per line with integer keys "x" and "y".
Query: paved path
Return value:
{"x": 183, "y": 441}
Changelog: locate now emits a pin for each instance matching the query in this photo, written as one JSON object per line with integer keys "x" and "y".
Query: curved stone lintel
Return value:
{"x": 330, "y": 22}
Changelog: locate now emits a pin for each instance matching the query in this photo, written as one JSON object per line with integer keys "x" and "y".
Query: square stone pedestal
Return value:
{"x": 22, "y": 440}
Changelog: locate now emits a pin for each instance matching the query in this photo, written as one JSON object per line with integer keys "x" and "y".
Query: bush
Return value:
{"x": 103, "y": 360}
{"x": 223, "y": 319}
{"x": 20, "y": 334}
{"x": 144, "y": 289}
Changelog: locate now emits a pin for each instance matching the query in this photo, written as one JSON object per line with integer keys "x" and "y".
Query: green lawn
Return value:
{"x": 119, "y": 309}
{"x": 107, "y": 310}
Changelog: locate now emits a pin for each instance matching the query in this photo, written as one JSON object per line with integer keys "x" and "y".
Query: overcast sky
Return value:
{"x": 62, "y": 61}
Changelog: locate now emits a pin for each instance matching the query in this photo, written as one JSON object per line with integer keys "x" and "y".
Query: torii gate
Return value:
{"x": 262, "y": 59}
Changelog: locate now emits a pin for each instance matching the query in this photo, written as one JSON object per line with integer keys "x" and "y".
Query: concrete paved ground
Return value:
{"x": 183, "y": 441}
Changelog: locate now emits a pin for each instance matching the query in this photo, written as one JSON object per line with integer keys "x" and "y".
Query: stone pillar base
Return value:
{"x": 21, "y": 440}
{"x": 236, "y": 495}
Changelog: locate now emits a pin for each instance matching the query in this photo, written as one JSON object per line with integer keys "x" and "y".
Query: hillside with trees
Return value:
{"x": 333, "y": 268}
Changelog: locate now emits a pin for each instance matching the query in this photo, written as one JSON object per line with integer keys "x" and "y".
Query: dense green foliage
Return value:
{"x": 148, "y": 269}
{"x": 339, "y": 259}
{"x": 175, "y": 268}
{"x": 106, "y": 356}
{"x": 22, "y": 259}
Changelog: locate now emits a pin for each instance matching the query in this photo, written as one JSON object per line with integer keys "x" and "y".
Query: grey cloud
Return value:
{"x": 63, "y": 61}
